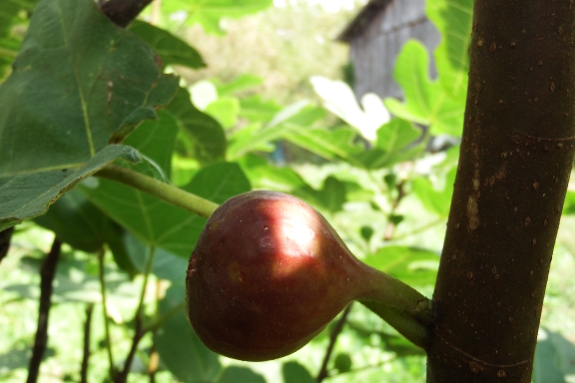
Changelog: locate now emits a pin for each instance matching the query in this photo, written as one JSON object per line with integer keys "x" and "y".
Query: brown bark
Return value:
{"x": 515, "y": 160}
{"x": 122, "y": 12}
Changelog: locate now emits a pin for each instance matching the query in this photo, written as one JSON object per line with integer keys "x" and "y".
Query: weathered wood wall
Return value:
{"x": 376, "y": 37}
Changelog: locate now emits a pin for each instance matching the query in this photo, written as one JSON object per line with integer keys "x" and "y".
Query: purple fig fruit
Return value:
{"x": 268, "y": 274}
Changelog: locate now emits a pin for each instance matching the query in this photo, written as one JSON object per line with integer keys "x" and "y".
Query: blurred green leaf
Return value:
{"x": 224, "y": 110}
{"x": 414, "y": 266}
{"x": 171, "y": 49}
{"x": 239, "y": 84}
{"x": 569, "y": 204}
{"x": 9, "y": 10}
{"x": 427, "y": 102}
{"x": 453, "y": 19}
{"x": 342, "y": 362}
{"x": 435, "y": 201}
{"x": 209, "y": 12}
{"x": 256, "y": 109}
{"x": 554, "y": 358}
{"x": 206, "y": 134}
{"x": 293, "y": 372}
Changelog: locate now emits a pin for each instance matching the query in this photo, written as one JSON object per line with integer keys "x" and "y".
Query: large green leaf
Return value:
{"x": 427, "y": 102}
{"x": 171, "y": 49}
{"x": 411, "y": 265}
{"x": 78, "y": 83}
{"x": 209, "y": 12}
{"x": 453, "y": 19}
{"x": 28, "y": 194}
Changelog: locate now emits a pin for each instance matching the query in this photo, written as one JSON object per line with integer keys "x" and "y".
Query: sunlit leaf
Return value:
{"x": 209, "y": 12}
{"x": 436, "y": 201}
{"x": 427, "y": 102}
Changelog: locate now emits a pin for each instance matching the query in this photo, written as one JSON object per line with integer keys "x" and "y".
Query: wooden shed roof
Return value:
{"x": 363, "y": 19}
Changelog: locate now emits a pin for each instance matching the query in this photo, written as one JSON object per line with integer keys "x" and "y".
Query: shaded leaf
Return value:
{"x": 28, "y": 195}
{"x": 170, "y": 48}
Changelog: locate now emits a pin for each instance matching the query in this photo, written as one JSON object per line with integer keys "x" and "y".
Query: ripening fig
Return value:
{"x": 268, "y": 274}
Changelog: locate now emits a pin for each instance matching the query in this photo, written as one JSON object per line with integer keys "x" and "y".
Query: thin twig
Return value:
{"x": 332, "y": 339}
{"x": 47, "y": 272}
{"x": 139, "y": 332}
{"x": 105, "y": 313}
{"x": 86, "y": 357}
{"x": 122, "y": 12}
{"x": 154, "y": 361}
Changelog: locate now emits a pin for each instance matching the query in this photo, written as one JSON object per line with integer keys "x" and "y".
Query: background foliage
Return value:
{"x": 78, "y": 93}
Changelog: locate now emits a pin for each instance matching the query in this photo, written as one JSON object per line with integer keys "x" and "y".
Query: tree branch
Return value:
{"x": 162, "y": 190}
{"x": 86, "y": 356}
{"x": 47, "y": 272}
{"x": 122, "y": 12}
{"x": 332, "y": 339}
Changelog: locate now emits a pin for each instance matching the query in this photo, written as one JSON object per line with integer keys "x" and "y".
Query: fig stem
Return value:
{"x": 400, "y": 305}
{"x": 162, "y": 190}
